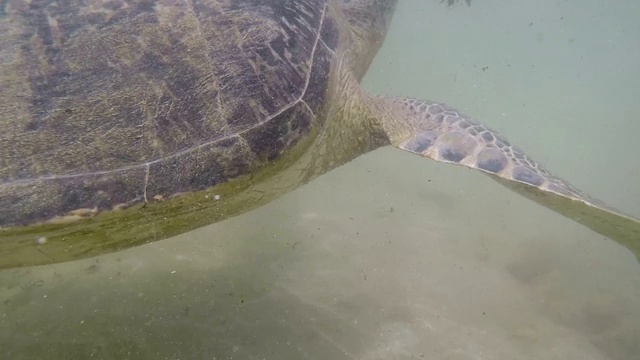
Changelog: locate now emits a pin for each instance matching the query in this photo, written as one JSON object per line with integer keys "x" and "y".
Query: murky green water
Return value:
{"x": 393, "y": 256}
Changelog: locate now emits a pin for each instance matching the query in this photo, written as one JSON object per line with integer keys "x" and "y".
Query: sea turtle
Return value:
{"x": 129, "y": 121}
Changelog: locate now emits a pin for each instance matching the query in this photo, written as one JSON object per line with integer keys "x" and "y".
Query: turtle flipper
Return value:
{"x": 441, "y": 133}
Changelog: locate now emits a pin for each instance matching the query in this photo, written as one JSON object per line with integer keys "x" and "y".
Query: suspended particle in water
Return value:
{"x": 41, "y": 240}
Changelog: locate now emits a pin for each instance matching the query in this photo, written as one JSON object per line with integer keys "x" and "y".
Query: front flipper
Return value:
{"x": 441, "y": 133}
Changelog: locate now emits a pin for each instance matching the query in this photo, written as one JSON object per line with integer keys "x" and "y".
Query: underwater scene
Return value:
{"x": 391, "y": 255}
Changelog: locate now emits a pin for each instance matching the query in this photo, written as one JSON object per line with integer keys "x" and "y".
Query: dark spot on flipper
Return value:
{"x": 463, "y": 124}
{"x": 528, "y": 176}
{"x": 420, "y": 142}
{"x": 492, "y": 160}
{"x": 452, "y": 155}
{"x": 488, "y": 137}
{"x": 455, "y": 146}
{"x": 518, "y": 155}
{"x": 503, "y": 142}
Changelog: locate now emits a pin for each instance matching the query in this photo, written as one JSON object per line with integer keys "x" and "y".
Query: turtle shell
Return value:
{"x": 105, "y": 105}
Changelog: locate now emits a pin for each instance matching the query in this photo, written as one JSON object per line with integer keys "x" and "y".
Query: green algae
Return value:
{"x": 144, "y": 223}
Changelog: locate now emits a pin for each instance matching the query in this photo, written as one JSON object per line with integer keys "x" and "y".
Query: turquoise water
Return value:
{"x": 393, "y": 256}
